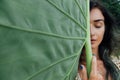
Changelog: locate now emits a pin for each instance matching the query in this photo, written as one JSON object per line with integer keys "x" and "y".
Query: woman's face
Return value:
{"x": 97, "y": 27}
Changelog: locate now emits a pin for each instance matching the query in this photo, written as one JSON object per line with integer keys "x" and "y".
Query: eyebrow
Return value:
{"x": 99, "y": 20}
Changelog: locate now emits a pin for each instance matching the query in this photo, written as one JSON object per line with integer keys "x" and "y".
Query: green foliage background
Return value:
{"x": 114, "y": 7}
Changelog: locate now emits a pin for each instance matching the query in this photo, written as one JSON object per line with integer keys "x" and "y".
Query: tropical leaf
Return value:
{"x": 41, "y": 39}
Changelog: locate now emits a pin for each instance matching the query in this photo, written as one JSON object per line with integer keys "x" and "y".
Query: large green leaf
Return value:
{"x": 41, "y": 39}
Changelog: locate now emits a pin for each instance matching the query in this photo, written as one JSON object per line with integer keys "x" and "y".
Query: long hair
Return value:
{"x": 106, "y": 46}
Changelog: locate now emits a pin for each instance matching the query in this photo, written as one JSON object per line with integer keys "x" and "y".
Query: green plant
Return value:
{"x": 43, "y": 39}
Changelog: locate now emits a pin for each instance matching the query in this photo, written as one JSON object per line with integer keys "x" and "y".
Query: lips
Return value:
{"x": 93, "y": 41}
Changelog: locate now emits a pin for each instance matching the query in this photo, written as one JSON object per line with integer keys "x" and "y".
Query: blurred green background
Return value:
{"x": 114, "y": 8}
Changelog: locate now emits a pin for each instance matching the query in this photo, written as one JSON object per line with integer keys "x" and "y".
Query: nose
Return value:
{"x": 92, "y": 31}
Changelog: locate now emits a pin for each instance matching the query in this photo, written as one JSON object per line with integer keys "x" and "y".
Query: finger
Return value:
{"x": 83, "y": 72}
{"x": 100, "y": 77}
{"x": 94, "y": 65}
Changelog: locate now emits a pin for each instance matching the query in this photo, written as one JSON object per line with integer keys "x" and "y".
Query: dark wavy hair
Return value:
{"x": 107, "y": 45}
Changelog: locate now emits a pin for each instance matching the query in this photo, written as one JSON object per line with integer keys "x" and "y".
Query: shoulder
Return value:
{"x": 116, "y": 61}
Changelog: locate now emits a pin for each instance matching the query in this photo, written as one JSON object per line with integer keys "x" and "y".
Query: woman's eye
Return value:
{"x": 98, "y": 26}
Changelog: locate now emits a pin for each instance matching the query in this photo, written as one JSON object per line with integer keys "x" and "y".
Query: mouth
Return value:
{"x": 93, "y": 41}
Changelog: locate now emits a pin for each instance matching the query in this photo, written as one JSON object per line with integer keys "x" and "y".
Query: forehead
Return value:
{"x": 96, "y": 14}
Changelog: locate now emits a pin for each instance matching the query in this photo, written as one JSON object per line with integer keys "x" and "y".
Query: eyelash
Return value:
{"x": 98, "y": 26}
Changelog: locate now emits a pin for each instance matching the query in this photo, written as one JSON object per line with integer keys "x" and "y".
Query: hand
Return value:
{"x": 94, "y": 75}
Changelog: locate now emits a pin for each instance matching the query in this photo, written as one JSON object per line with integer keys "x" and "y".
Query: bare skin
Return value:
{"x": 97, "y": 30}
{"x": 98, "y": 70}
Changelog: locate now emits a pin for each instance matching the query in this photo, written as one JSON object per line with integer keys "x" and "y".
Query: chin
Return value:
{"x": 93, "y": 46}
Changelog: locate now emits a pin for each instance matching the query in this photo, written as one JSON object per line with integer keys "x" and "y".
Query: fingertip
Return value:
{"x": 83, "y": 73}
{"x": 81, "y": 67}
{"x": 94, "y": 58}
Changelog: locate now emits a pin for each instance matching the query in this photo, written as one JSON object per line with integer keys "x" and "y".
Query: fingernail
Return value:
{"x": 93, "y": 54}
{"x": 81, "y": 67}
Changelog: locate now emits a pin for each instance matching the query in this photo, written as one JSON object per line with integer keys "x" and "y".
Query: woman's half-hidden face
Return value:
{"x": 97, "y": 27}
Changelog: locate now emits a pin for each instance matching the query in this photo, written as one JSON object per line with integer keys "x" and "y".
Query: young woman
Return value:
{"x": 101, "y": 30}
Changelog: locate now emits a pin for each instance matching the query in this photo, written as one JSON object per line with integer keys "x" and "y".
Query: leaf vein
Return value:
{"x": 44, "y": 33}
{"x": 66, "y": 14}
{"x": 80, "y": 9}
{"x": 78, "y": 53}
{"x": 51, "y": 65}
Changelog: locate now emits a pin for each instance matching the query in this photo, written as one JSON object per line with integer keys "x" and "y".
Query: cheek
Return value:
{"x": 101, "y": 35}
